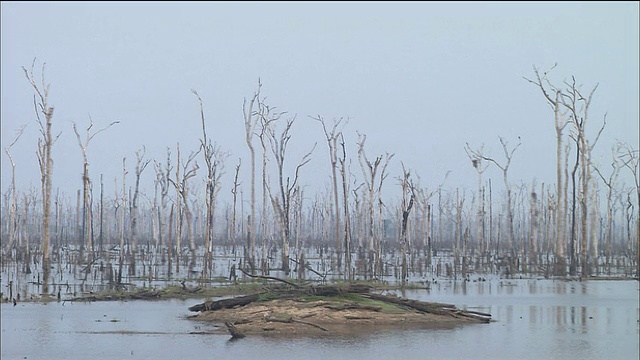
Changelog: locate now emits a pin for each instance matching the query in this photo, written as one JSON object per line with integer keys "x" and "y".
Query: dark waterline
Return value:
{"x": 535, "y": 319}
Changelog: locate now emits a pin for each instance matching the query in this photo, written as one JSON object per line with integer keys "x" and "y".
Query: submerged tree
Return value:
{"x": 268, "y": 116}
{"x": 251, "y": 119}
{"x": 332, "y": 142}
{"x": 345, "y": 201}
{"x": 181, "y": 184}
{"x": 214, "y": 160}
{"x": 552, "y": 95}
{"x": 87, "y": 219}
{"x": 163, "y": 175}
{"x": 508, "y": 154}
{"x": 45, "y": 146}
{"x": 578, "y": 107}
{"x": 631, "y": 160}
{"x": 13, "y": 207}
{"x": 610, "y": 183}
{"x": 287, "y": 189}
{"x": 476, "y": 157}
{"x": 141, "y": 164}
{"x": 373, "y": 188}
{"x": 408, "y": 191}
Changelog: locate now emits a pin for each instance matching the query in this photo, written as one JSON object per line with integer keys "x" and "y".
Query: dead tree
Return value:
{"x": 370, "y": 173}
{"x": 288, "y": 187}
{"x": 163, "y": 174}
{"x": 508, "y": 154}
{"x": 296, "y": 209}
{"x": 459, "y": 206}
{"x": 345, "y": 202}
{"x": 423, "y": 197}
{"x": 476, "y": 157}
{"x": 534, "y": 214}
{"x": 87, "y": 221}
{"x": 268, "y": 116}
{"x": 122, "y": 205}
{"x": 141, "y": 164}
{"x": 13, "y": 208}
{"x": 26, "y": 227}
{"x": 610, "y": 183}
{"x": 332, "y": 142}
{"x": 45, "y": 146}
{"x": 408, "y": 190}
{"x": 250, "y": 120}
{"x": 553, "y": 95}
{"x": 578, "y": 107}
{"x": 631, "y": 160}
{"x": 214, "y": 160}
{"x": 181, "y": 184}
{"x": 234, "y": 191}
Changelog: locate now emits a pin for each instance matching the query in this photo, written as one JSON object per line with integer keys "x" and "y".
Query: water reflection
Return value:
{"x": 534, "y": 319}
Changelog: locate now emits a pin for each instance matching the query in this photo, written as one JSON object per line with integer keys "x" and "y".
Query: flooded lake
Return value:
{"x": 534, "y": 319}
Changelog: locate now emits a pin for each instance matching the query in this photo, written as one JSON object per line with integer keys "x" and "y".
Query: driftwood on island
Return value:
{"x": 346, "y": 305}
{"x": 235, "y": 333}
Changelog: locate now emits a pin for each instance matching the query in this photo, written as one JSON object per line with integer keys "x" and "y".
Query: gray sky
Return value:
{"x": 419, "y": 79}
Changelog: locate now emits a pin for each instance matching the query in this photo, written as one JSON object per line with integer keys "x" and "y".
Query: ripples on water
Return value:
{"x": 535, "y": 319}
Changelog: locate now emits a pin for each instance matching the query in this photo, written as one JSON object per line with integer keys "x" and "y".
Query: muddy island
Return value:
{"x": 295, "y": 311}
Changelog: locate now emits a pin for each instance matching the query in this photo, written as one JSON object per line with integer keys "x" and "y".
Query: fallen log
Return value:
{"x": 235, "y": 333}
{"x": 302, "y": 294}
{"x": 354, "y": 306}
{"x": 225, "y": 303}
{"x": 292, "y": 320}
{"x": 431, "y": 307}
{"x": 270, "y": 278}
{"x": 326, "y": 290}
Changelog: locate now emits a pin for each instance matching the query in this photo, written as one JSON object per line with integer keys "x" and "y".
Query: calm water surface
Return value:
{"x": 535, "y": 319}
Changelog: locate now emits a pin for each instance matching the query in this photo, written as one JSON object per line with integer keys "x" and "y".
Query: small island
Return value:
{"x": 295, "y": 311}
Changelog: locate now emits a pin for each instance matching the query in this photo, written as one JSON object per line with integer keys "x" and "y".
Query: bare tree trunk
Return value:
{"x": 45, "y": 146}
{"x": 182, "y": 194}
{"x": 578, "y": 107}
{"x": 458, "y": 233}
{"x": 234, "y": 191}
{"x": 26, "y": 228}
{"x": 505, "y": 169}
{"x": 13, "y": 222}
{"x": 345, "y": 203}
{"x": 263, "y": 217}
{"x": 534, "y": 225}
{"x": 476, "y": 158}
{"x": 560, "y": 122}
{"x": 250, "y": 121}
{"x": 101, "y": 234}
{"x": 610, "y": 183}
{"x": 369, "y": 172}
{"x": 594, "y": 227}
{"x": 572, "y": 261}
{"x": 490, "y": 237}
{"x": 287, "y": 188}
{"x": 141, "y": 164}
{"x": 162, "y": 178}
{"x": 332, "y": 142}
{"x": 123, "y": 203}
{"x": 631, "y": 161}
{"x": 169, "y": 245}
{"x": 213, "y": 158}
{"x": 407, "y": 190}
{"x": 87, "y": 221}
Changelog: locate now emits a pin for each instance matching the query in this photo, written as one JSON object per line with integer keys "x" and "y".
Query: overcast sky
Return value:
{"x": 419, "y": 79}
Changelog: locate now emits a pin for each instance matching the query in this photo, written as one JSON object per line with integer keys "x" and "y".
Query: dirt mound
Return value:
{"x": 301, "y": 313}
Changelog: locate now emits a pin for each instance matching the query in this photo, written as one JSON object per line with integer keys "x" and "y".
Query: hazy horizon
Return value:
{"x": 418, "y": 79}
